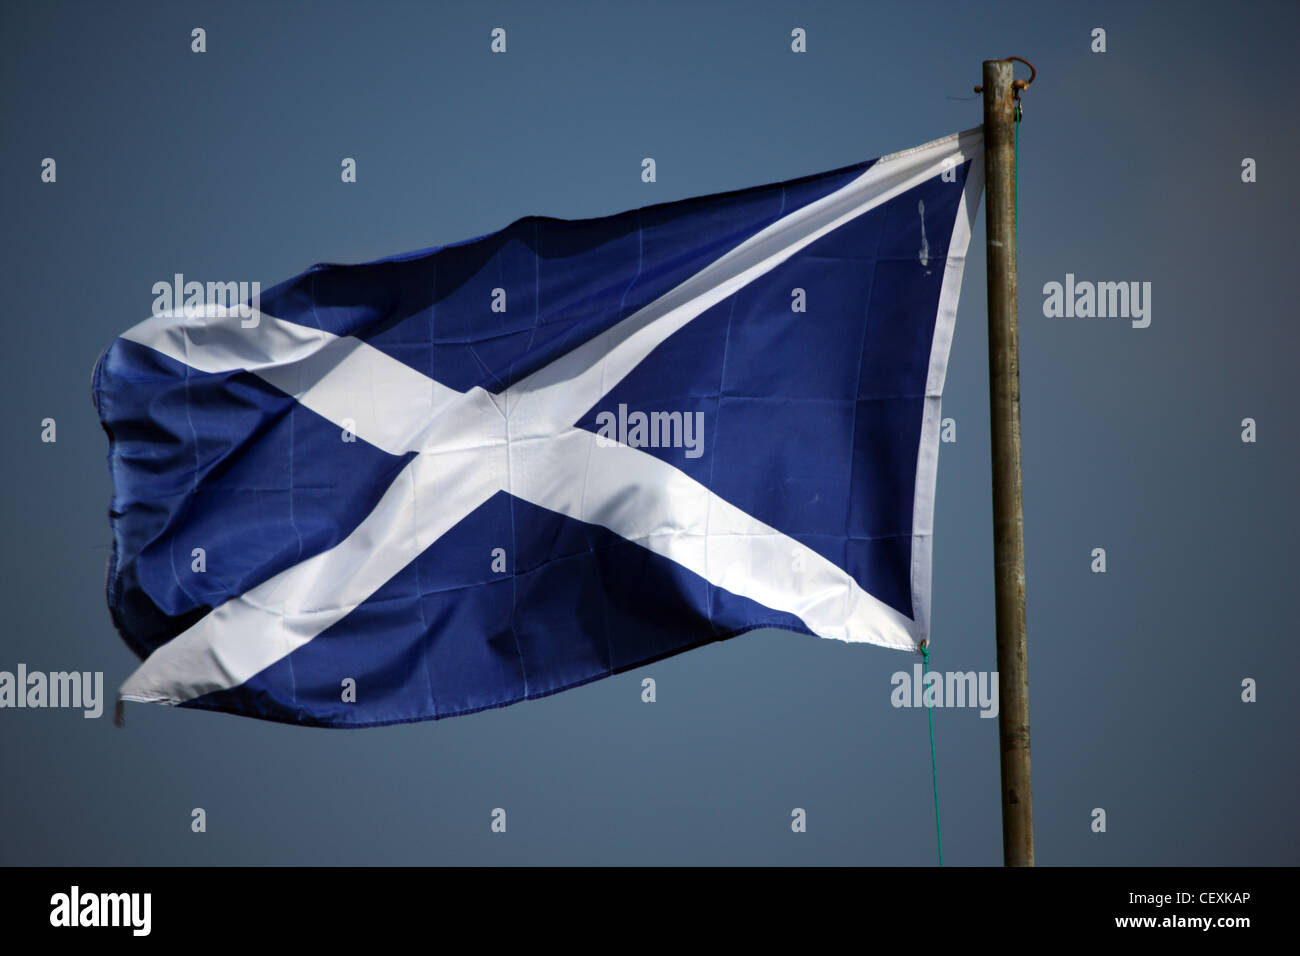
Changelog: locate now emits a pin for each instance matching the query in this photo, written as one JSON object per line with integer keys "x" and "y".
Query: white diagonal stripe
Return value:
{"x": 647, "y": 500}
{"x": 342, "y": 379}
{"x": 250, "y": 632}
{"x": 562, "y": 391}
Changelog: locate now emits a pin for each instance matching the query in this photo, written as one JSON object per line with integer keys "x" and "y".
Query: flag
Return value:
{"x": 487, "y": 472}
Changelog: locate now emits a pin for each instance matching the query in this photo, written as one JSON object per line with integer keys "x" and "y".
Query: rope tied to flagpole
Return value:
{"x": 934, "y": 773}
{"x": 1016, "y": 87}
{"x": 1016, "y": 168}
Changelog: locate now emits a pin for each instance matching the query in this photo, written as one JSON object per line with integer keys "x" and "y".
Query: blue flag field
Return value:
{"x": 487, "y": 472}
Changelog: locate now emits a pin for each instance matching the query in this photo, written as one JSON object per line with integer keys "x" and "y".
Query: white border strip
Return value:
{"x": 927, "y": 463}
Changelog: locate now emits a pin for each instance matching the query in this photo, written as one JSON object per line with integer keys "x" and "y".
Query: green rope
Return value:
{"x": 1016, "y": 171}
{"x": 934, "y": 774}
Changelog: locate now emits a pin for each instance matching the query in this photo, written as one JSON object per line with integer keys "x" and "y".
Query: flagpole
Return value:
{"x": 1001, "y": 95}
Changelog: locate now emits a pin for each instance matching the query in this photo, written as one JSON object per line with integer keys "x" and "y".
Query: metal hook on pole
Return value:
{"x": 1017, "y": 85}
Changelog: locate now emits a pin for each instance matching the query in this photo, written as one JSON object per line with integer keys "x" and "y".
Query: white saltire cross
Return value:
{"x": 471, "y": 445}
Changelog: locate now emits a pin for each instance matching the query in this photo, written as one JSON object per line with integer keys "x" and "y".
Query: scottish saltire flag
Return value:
{"x": 487, "y": 472}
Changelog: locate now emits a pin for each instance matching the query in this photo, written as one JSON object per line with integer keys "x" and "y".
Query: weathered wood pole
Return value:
{"x": 1004, "y": 412}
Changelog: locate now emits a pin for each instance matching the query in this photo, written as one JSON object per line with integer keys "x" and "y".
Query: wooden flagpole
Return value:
{"x": 1001, "y": 101}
